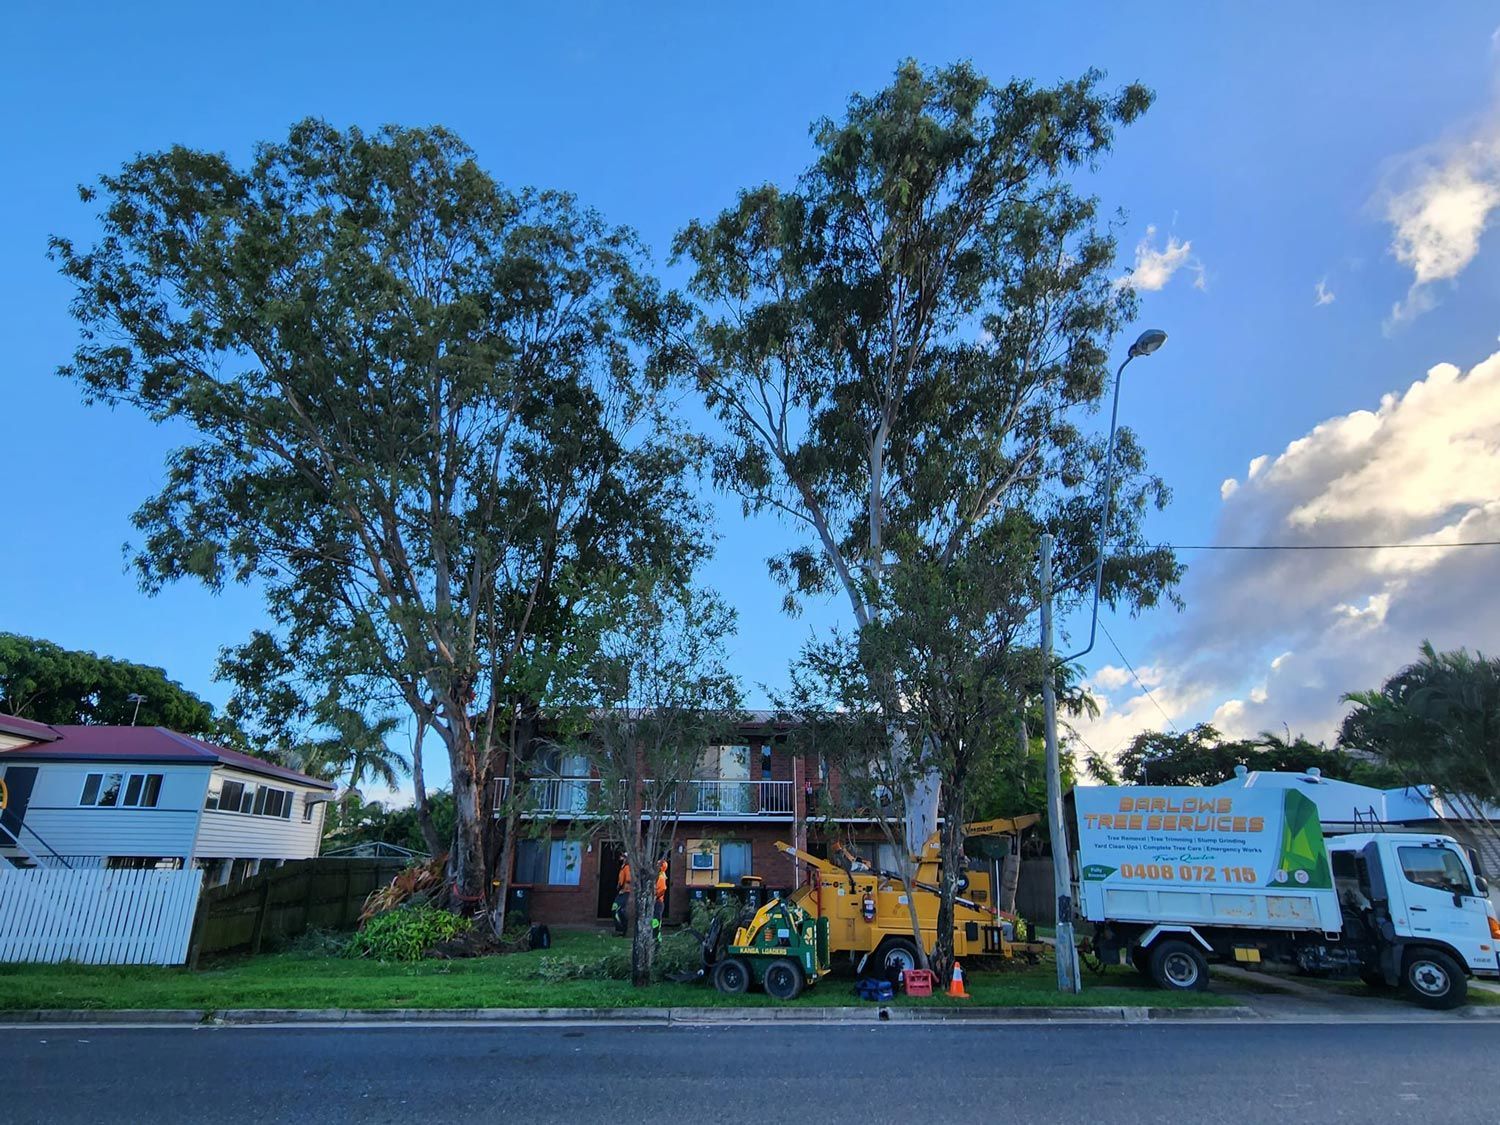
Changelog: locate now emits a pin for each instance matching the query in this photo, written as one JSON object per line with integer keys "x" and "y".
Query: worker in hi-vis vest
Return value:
{"x": 622, "y": 897}
{"x": 661, "y": 898}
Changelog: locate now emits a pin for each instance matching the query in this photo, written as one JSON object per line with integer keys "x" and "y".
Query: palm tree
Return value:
{"x": 355, "y": 751}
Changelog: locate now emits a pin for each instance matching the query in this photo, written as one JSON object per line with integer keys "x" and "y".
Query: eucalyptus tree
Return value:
{"x": 900, "y": 350}
{"x": 410, "y": 415}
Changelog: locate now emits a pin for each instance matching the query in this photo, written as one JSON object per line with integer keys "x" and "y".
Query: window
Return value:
{"x": 734, "y": 860}
{"x": 1438, "y": 868}
{"x": 256, "y": 800}
{"x": 309, "y": 808}
{"x": 111, "y": 790}
{"x": 554, "y": 862}
{"x": 567, "y": 858}
{"x": 529, "y": 861}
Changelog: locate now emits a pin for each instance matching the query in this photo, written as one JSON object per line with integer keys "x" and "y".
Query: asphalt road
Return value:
{"x": 1214, "y": 1073}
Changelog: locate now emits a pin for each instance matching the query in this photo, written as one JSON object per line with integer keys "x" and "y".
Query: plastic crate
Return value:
{"x": 917, "y": 982}
{"x": 872, "y": 989}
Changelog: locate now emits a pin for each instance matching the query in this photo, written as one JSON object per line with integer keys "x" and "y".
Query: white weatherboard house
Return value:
{"x": 147, "y": 797}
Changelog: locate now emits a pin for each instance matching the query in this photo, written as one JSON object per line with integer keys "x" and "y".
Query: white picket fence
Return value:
{"x": 97, "y": 917}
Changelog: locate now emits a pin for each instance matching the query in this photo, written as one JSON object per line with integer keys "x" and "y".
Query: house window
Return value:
{"x": 256, "y": 800}
{"x": 552, "y": 862}
{"x": 566, "y": 859}
{"x": 112, "y": 790}
{"x": 308, "y": 809}
{"x": 530, "y": 863}
{"x": 734, "y": 860}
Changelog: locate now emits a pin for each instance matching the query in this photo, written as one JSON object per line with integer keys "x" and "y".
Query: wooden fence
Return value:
{"x": 279, "y": 904}
{"x": 96, "y": 916}
{"x": 1036, "y": 900}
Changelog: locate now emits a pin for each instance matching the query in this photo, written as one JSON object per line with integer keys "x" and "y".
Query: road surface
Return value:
{"x": 1216, "y": 1073}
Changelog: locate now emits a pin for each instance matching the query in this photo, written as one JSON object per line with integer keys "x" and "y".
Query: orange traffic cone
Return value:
{"x": 956, "y": 985}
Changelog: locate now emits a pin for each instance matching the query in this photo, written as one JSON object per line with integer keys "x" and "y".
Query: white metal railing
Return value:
{"x": 580, "y": 796}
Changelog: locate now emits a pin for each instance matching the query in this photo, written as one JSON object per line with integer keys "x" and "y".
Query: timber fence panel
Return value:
{"x": 97, "y": 916}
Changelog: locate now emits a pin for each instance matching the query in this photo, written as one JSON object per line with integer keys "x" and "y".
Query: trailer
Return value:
{"x": 1174, "y": 877}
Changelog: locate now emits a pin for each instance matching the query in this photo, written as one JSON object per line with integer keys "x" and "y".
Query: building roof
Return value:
{"x": 25, "y": 728}
{"x": 143, "y": 744}
{"x": 1339, "y": 801}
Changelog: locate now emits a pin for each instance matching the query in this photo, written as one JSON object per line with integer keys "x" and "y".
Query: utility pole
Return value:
{"x": 1062, "y": 876}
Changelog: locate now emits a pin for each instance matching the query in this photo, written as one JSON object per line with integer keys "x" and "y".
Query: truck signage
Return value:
{"x": 1258, "y": 837}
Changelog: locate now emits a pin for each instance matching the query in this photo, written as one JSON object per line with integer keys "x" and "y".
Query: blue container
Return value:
{"x": 871, "y": 989}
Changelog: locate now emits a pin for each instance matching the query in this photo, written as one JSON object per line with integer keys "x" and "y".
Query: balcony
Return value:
{"x": 581, "y": 796}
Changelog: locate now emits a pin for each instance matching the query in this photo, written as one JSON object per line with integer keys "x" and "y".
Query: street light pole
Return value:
{"x": 1068, "y": 976}
{"x": 1068, "y": 979}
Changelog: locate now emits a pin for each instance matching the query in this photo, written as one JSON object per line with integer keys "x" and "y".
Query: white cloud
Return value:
{"x": 1277, "y": 637}
{"x": 1322, "y": 295}
{"x": 1154, "y": 267}
{"x": 1438, "y": 214}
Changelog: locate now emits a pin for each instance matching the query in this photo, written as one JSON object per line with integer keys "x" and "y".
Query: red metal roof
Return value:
{"x": 25, "y": 728}
{"x": 143, "y": 744}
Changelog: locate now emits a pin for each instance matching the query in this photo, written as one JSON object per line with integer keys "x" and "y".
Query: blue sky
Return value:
{"x": 1289, "y": 145}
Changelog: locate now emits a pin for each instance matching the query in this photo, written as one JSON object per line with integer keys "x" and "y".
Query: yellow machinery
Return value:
{"x": 862, "y": 912}
{"x": 868, "y": 914}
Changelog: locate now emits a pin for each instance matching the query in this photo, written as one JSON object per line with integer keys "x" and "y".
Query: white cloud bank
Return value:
{"x": 1438, "y": 215}
{"x": 1273, "y": 637}
{"x": 1322, "y": 295}
{"x": 1154, "y": 267}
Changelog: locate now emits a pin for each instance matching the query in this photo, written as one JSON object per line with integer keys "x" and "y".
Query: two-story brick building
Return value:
{"x": 742, "y": 799}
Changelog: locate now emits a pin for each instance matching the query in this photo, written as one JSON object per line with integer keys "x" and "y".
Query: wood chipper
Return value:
{"x": 860, "y": 912}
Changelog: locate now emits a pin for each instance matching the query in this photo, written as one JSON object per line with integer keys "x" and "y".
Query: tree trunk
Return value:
{"x": 430, "y": 835}
{"x": 466, "y": 867}
{"x": 952, "y": 862}
{"x": 643, "y": 935}
{"x": 1010, "y": 879}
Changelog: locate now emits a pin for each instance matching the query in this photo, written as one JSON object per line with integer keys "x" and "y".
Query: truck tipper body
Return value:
{"x": 1173, "y": 877}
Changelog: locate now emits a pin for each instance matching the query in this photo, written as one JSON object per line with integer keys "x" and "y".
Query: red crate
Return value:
{"x": 917, "y": 982}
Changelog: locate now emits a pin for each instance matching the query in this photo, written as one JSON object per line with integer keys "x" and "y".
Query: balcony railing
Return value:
{"x": 581, "y": 796}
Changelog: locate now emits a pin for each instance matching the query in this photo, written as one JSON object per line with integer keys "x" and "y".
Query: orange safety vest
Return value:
{"x": 624, "y": 882}
{"x": 661, "y": 883}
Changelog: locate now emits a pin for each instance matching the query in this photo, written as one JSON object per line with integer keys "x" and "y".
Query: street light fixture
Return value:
{"x": 1068, "y": 978}
{"x": 137, "y": 699}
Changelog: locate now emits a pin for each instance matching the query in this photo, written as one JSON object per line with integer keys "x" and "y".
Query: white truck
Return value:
{"x": 1174, "y": 877}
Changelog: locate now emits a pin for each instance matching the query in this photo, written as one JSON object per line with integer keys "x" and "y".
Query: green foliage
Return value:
{"x": 1436, "y": 721}
{"x": 406, "y": 933}
{"x": 47, "y": 683}
{"x": 1202, "y": 756}
{"x": 353, "y": 820}
{"x": 418, "y": 423}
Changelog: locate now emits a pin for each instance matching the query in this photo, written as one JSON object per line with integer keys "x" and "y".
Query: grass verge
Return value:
{"x": 291, "y": 980}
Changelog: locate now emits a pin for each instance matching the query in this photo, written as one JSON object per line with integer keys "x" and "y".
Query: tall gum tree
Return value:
{"x": 899, "y": 350}
{"x": 417, "y": 423}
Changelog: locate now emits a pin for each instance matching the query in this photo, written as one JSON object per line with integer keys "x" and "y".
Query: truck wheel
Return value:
{"x": 1434, "y": 979}
{"x": 732, "y": 977}
{"x": 895, "y": 956}
{"x": 1179, "y": 967}
{"x": 783, "y": 979}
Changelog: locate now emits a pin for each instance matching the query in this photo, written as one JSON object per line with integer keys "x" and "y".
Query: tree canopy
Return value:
{"x": 901, "y": 351}
{"x": 1203, "y": 756}
{"x": 417, "y": 422}
{"x": 47, "y": 683}
{"x": 1436, "y": 721}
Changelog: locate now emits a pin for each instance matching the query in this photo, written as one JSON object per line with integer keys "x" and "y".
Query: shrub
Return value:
{"x": 406, "y": 933}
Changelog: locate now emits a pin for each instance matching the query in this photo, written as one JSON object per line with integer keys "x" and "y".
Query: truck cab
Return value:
{"x": 1422, "y": 905}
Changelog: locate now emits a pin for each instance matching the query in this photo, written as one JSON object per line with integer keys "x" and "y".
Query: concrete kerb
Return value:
{"x": 246, "y": 1017}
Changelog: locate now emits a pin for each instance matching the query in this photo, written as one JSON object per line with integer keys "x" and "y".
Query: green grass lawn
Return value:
{"x": 292, "y": 980}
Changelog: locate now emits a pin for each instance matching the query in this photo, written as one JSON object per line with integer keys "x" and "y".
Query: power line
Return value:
{"x": 1327, "y": 546}
{"x": 1139, "y": 682}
